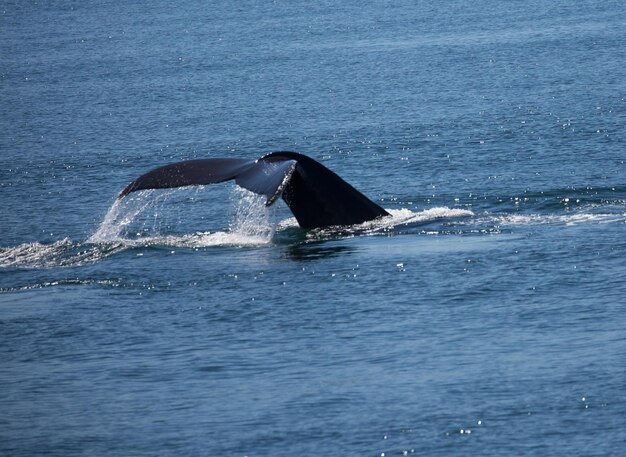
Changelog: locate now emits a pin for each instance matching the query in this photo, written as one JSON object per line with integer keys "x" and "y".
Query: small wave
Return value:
{"x": 201, "y": 240}
{"x": 63, "y": 282}
{"x": 403, "y": 217}
{"x": 32, "y": 253}
{"x": 406, "y": 216}
{"x": 66, "y": 253}
{"x": 566, "y": 219}
{"x": 253, "y": 230}
{"x": 62, "y": 253}
{"x": 249, "y": 230}
{"x": 397, "y": 217}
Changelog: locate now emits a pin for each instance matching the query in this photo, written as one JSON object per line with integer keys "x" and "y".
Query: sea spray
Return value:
{"x": 108, "y": 229}
{"x": 250, "y": 221}
{"x": 122, "y": 213}
{"x": 251, "y": 217}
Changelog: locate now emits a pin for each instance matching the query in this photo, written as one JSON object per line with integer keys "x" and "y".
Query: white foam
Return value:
{"x": 65, "y": 253}
{"x": 566, "y": 219}
{"x": 396, "y": 217}
{"x": 406, "y": 216}
{"x": 62, "y": 253}
{"x": 32, "y": 253}
{"x": 200, "y": 240}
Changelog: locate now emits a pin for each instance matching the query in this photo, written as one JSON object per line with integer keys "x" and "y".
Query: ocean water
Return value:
{"x": 485, "y": 316}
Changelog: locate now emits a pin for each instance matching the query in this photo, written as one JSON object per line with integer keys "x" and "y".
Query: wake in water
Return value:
{"x": 63, "y": 253}
{"x": 253, "y": 224}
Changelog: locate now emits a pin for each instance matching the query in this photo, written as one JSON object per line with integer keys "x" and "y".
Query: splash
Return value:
{"x": 254, "y": 224}
{"x": 252, "y": 218}
{"x": 121, "y": 215}
{"x": 250, "y": 224}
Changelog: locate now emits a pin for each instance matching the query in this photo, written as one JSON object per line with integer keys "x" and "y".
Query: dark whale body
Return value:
{"x": 315, "y": 195}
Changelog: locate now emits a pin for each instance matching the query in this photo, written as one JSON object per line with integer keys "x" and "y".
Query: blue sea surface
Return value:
{"x": 485, "y": 316}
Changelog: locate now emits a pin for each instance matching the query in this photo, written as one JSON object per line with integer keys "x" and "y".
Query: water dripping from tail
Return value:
{"x": 251, "y": 222}
{"x": 120, "y": 215}
{"x": 251, "y": 218}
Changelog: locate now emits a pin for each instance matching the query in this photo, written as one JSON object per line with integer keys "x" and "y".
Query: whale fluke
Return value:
{"x": 316, "y": 196}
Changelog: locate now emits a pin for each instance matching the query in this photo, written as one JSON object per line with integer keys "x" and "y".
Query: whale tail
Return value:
{"x": 316, "y": 196}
